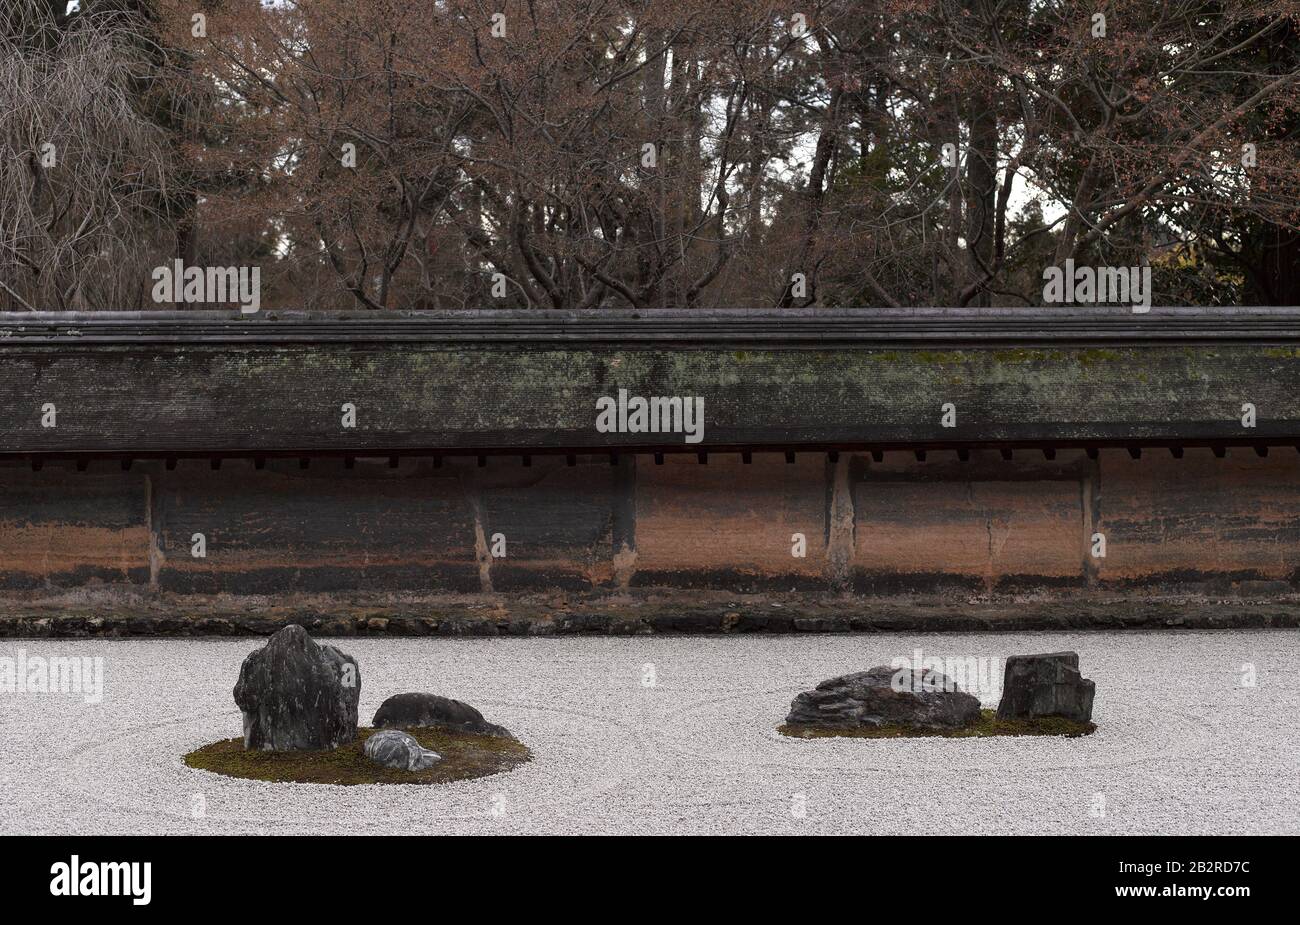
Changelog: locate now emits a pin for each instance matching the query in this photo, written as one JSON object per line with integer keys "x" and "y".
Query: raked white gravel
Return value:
{"x": 1183, "y": 746}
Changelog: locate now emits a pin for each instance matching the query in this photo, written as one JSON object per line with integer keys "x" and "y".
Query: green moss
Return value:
{"x": 464, "y": 756}
{"x": 1084, "y": 358}
{"x": 987, "y": 725}
{"x": 1018, "y": 356}
{"x": 1090, "y": 357}
{"x": 940, "y": 358}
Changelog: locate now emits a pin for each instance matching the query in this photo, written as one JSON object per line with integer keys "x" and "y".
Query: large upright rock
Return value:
{"x": 410, "y": 711}
{"x": 885, "y": 696}
{"x": 1046, "y": 685}
{"x": 297, "y": 695}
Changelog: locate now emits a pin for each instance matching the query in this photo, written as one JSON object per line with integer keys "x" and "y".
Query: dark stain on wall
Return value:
{"x": 558, "y": 521}
{"x": 327, "y": 528}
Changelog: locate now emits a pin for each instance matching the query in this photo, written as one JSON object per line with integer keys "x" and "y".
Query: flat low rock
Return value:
{"x": 298, "y": 695}
{"x": 392, "y": 748}
{"x": 885, "y": 696}
{"x": 408, "y": 711}
{"x": 1046, "y": 685}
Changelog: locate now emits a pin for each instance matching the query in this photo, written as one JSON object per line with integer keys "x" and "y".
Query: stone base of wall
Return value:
{"x": 668, "y": 611}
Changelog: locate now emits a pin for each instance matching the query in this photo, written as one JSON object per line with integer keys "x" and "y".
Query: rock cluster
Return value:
{"x": 1034, "y": 686}
{"x": 297, "y": 695}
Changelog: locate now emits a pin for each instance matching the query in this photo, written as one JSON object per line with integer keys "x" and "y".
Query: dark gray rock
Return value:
{"x": 297, "y": 695}
{"x": 1046, "y": 685}
{"x": 885, "y": 696}
{"x": 393, "y": 748}
{"x": 407, "y": 711}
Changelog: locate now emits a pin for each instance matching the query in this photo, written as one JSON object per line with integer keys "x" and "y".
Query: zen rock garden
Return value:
{"x": 1041, "y": 695}
{"x": 299, "y": 703}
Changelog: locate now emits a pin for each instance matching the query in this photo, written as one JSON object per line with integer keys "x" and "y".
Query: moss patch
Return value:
{"x": 464, "y": 756}
{"x": 987, "y": 725}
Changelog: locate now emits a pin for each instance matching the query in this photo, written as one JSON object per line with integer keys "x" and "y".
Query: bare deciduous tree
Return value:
{"x": 80, "y": 168}
{"x": 651, "y": 153}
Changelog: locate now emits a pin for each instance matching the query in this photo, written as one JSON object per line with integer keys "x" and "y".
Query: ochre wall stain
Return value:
{"x": 728, "y": 515}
